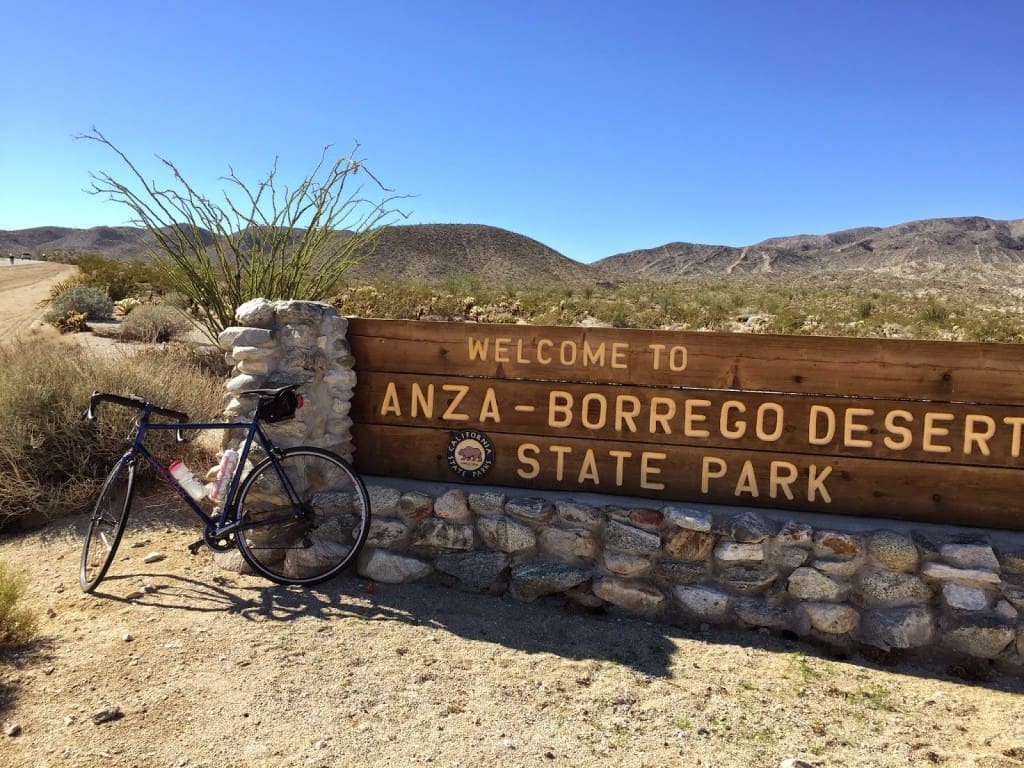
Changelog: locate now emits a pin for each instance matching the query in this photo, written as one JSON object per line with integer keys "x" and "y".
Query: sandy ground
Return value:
{"x": 177, "y": 663}
{"x": 23, "y": 285}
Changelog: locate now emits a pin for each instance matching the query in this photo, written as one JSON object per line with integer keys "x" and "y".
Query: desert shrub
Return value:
{"x": 51, "y": 460}
{"x": 118, "y": 278}
{"x": 63, "y": 285}
{"x": 17, "y": 623}
{"x": 155, "y": 324}
{"x": 94, "y": 303}
{"x": 935, "y": 312}
{"x": 617, "y": 314}
{"x": 462, "y": 283}
{"x": 208, "y": 359}
{"x": 389, "y": 299}
{"x": 997, "y": 327}
{"x": 176, "y": 300}
{"x": 828, "y": 307}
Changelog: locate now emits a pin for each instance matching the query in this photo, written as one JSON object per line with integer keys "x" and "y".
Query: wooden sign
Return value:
{"x": 927, "y": 431}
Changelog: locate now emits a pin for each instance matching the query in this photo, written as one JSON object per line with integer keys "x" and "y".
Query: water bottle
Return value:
{"x": 225, "y": 472}
{"x": 187, "y": 480}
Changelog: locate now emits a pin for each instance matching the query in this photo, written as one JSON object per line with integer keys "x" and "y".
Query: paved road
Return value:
{"x": 23, "y": 285}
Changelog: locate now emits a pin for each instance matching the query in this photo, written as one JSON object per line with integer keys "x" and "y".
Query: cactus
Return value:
{"x": 126, "y": 305}
{"x": 71, "y": 322}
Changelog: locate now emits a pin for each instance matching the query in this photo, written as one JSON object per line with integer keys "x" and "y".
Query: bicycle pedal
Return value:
{"x": 195, "y": 546}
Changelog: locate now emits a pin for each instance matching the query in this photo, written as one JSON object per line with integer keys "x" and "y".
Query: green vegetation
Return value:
{"x": 872, "y": 697}
{"x": 51, "y": 460}
{"x": 704, "y": 304}
{"x": 17, "y": 623}
{"x": 119, "y": 279}
{"x": 806, "y": 671}
{"x": 294, "y": 243}
{"x": 86, "y": 296}
{"x": 94, "y": 303}
{"x": 778, "y": 305}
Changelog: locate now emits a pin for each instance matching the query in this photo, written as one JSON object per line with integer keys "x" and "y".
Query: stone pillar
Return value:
{"x": 277, "y": 343}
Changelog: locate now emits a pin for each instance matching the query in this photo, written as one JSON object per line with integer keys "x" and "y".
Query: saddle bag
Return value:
{"x": 279, "y": 407}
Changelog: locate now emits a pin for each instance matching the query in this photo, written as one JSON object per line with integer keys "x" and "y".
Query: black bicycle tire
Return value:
{"x": 125, "y": 463}
{"x": 363, "y": 514}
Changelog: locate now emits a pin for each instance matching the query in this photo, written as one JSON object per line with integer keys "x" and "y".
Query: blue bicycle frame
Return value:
{"x": 215, "y": 526}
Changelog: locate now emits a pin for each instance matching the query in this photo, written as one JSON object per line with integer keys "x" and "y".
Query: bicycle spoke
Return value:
{"x": 304, "y": 516}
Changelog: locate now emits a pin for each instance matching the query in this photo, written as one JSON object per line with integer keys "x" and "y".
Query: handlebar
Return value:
{"x": 138, "y": 403}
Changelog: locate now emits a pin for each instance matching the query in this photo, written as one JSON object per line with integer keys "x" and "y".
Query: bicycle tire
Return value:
{"x": 107, "y": 524}
{"x": 312, "y": 547}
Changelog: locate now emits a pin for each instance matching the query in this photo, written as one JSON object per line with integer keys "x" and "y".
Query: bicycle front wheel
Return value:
{"x": 303, "y": 516}
{"x": 107, "y": 523}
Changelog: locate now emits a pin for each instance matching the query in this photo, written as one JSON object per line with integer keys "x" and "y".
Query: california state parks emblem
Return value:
{"x": 470, "y": 454}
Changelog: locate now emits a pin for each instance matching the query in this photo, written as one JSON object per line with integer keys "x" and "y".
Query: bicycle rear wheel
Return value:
{"x": 107, "y": 523}
{"x": 304, "y": 516}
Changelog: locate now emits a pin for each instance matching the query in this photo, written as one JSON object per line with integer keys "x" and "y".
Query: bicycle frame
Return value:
{"x": 225, "y": 522}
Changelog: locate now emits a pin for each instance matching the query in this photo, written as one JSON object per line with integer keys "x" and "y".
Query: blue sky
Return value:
{"x": 594, "y": 127}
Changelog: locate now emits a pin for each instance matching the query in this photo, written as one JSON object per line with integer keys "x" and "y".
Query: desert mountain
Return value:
{"x": 114, "y": 242}
{"x": 954, "y": 242}
{"x": 122, "y": 243}
{"x": 425, "y": 252}
{"x": 431, "y": 252}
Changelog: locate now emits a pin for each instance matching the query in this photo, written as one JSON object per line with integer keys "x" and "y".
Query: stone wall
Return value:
{"x": 917, "y": 589}
{"x": 925, "y": 588}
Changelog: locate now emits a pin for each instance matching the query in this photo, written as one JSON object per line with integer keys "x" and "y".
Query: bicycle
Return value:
{"x": 298, "y": 516}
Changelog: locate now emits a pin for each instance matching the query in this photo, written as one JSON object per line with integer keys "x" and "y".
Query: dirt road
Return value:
{"x": 22, "y": 286}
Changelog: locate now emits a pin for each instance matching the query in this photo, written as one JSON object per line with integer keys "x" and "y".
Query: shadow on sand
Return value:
{"x": 548, "y": 625}
{"x": 544, "y": 626}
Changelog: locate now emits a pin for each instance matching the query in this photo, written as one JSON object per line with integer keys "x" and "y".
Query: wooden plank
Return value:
{"x": 926, "y": 431}
{"x": 950, "y": 433}
{"x": 970, "y": 496}
{"x": 886, "y": 368}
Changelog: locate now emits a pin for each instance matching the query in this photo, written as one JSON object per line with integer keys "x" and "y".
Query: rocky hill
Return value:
{"x": 954, "y": 242}
{"x": 432, "y": 252}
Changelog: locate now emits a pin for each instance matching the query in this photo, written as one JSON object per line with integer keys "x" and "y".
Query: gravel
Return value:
{"x": 228, "y": 670}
